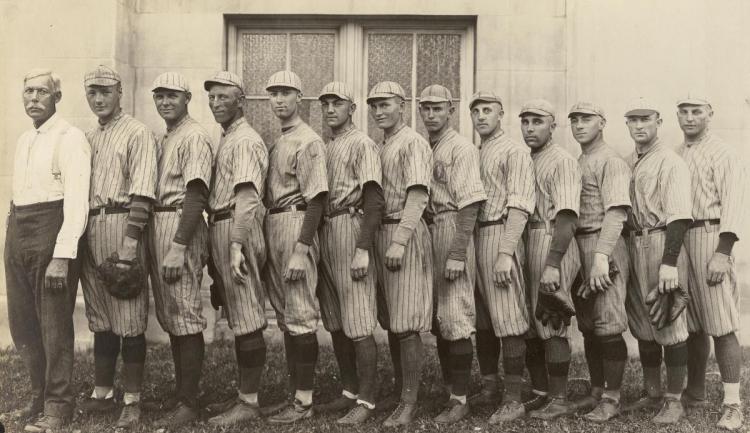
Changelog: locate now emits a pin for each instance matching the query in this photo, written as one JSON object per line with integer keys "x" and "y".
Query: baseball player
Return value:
{"x": 236, "y": 241}
{"x": 600, "y": 312}
{"x": 457, "y": 194}
{"x": 403, "y": 245}
{"x": 507, "y": 172}
{"x": 178, "y": 240}
{"x": 123, "y": 184}
{"x": 47, "y": 217}
{"x": 296, "y": 194}
{"x": 661, "y": 213}
{"x": 347, "y": 290}
{"x": 553, "y": 260}
{"x": 717, "y": 182}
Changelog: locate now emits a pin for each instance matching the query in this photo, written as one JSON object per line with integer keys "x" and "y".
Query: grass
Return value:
{"x": 219, "y": 382}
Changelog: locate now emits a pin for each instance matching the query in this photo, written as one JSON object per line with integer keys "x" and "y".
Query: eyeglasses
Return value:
{"x": 40, "y": 91}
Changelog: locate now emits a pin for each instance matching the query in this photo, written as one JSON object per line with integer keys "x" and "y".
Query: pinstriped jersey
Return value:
{"x": 558, "y": 183}
{"x": 241, "y": 157}
{"x": 297, "y": 168}
{"x": 184, "y": 155}
{"x": 718, "y": 179}
{"x": 124, "y": 162}
{"x": 659, "y": 188}
{"x": 455, "y": 173}
{"x": 406, "y": 159}
{"x": 508, "y": 175}
{"x": 605, "y": 183}
{"x": 351, "y": 161}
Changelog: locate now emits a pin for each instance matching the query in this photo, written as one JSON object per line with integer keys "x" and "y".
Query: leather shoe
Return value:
{"x": 508, "y": 411}
{"x": 340, "y": 404}
{"x": 454, "y": 411}
{"x": 241, "y": 411}
{"x": 604, "y": 411}
{"x": 671, "y": 412}
{"x": 403, "y": 415}
{"x": 359, "y": 414}
{"x": 181, "y": 415}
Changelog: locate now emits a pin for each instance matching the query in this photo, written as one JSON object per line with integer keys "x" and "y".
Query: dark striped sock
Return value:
{"x": 461, "y": 354}
{"x": 698, "y": 346}
{"x": 675, "y": 357}
{"x": 343, "y": 349}
{"x": 729, "y": 357}
{"x": 412, "y": 354}
{"x": 488, "y": 351}
{"x": 192, "y": 350}
{"x": 250, "y": 350}
{"x": 535, "y": 363}
{"x": 367, "y": 368}
{"x": 443, "y": 352}
{"x": 306, "y": 346}
{"x": 614, "y": 356}
{"x": 106, "y": 351}
{"x": 593, "y": 351}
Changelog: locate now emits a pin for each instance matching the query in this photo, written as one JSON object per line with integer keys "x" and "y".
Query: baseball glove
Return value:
{"x": 122, "y": 283}
{"x": 217, "y": 288}
{"x": 665, "y": 308}
{"x": 555, "y": 308}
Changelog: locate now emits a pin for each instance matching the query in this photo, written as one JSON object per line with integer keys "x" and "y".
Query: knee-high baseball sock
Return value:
{"x": 698, "y": 346}
{"x": 729, "y": 357}
{"x": 514, "y": 350}
{"x": 412, "y": 353}
{"x": 443, "y": 352}
{"x": 675, "y": 357}
{"x": 614, "y": 354}
{"x": 106, "y": 350}
{"x": 343, "y": 348}
{"x": 394, "y": 345}
{"x": 192, "y": 350}
{"x": 557, "y": 355}
{"x": 133, "y": 361}
{"x": 250, "y": 350}
{"x": 488, "y": 351}
{"x": 291, "y": 361}
{"x": 367, "y": 369}
{"x": 651, "y": 356}
{"x": 593, "y": 351}
{"x": 461, "y": 354}
{"x": 174, "y": 344}
{"x": 535, "y": 363}
{"x": 306, "y": 346}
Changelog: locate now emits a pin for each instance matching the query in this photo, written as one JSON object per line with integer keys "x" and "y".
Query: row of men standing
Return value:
{"x": 370, "y": 195}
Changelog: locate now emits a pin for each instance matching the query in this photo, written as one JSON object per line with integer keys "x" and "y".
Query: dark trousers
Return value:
{"x": 41, "y": 321}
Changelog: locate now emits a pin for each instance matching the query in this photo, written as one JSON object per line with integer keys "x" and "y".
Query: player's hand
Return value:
{"x": 295, "y": 270}
{"x": 502, "y": 272}
{"x": 171, "y": 268}
{"x": 550, "y": 281}
{"x": 599, "y": 280}
{"x": 237, "y": 264}
{"x": 127, "y": 251}
{"x": 667, "y": 278}
{"x": 360, "y": 264}
{"x": 454, "y": 269}
{"x": 56, "y": 275}
{"x": 394, "y": 256}
{"x": 718, "y": 267}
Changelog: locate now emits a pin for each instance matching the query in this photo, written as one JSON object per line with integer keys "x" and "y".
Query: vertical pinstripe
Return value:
{"x": 605, "y": 183}
{"x": 352, "y": 160}
{"x": 718, "y": 180}
{"x": 456, "y": 181}
{"x": 406, "y": 159}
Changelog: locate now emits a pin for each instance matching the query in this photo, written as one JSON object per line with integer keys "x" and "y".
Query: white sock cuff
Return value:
{"x": 366, "y": 404}
{"x": 107, "y": 391}
{"x": 731, "y": 393}
{"x": 349, "y": 395}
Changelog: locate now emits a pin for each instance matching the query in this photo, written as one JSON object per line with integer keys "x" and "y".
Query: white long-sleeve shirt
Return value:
{"x": 34, "y": 181}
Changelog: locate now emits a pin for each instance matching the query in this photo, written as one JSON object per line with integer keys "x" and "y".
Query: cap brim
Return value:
{"x": 585, "y": 111}
{"x": 282, "y": 86}
{"x": 433, "y": 99}
{"x": 478, "y": 100}
{"x": 101, "y": 82}
{"x": 208, "y": 83}
{"x": 383, "y": 96}
{"x": 641, "y": 112}
{"x": 169, "y": 87}
{"x": 338, "y": 95}
{"x": 535, "y": 111}
{"x": 691, "y": 101}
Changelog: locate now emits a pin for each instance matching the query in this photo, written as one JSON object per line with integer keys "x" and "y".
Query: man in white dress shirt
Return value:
{"x": 47, "y": 217}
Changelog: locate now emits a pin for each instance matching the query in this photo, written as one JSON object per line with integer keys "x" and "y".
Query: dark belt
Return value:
{"x": 483, "y": 224}
{"x": 704, "y": 223}
{"x": 167, "y": 208}
{"x": 220, "y": 215}
{"x": 587, "y": 231}
{"x": 290, "y": 208}
{"x": 346, "y": 210}
{"x": 107, "y": 211}
{"x": 643, "y": 232}
{"x": 540, "y": 224}
{"x": 390, "y": 220}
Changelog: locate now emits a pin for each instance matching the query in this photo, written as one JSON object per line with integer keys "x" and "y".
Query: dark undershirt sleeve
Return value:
{"x": 140, "y": 208}
{"x": 196, "y": 199}
{"x": 246, "y": 203}
{"x": 565, "y": 230}
{"x": 726, "y": 243}
{"x": 466, "y": 218}
{"x": 373, "y": 204}
{"x": 313, "y": 214}
{"x": 673, "y": 241}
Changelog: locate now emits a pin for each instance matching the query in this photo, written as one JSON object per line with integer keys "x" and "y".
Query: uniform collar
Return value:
{"x": 499, "y": 133}
{"x": 112, "y": 121}
{"x": 182, "y": 121}
{"x": 233, "y": 127}
{"x": 345, "y": 132}
{"x": 702, "y": 139}
{"x": 48, "y": 124}
{"x": 544, "y": 149}
{"x": 449, "y": 132}
{"x": 395, "y": 134}
{"x": 656, "y": 144}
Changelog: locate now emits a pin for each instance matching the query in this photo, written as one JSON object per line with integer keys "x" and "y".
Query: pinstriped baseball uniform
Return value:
{"x": 558, "y": 187}
{"x": 717, "y": 182}
{"x": 351, "y": 161}
{"x": 659, "y": 194}
{"x": 296, "y": 174}
{"x": 124, "y": 164}
{"x": 507, "y": 172}
{"x": 405, "y": 300}
{"x": 184, "y": 155}
{"x": 455, "y": 185}
{"x": 605, "y": 183}
{"x": 241, "y": 157}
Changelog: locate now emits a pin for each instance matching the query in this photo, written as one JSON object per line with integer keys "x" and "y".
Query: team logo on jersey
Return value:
{"x": 439, "y": 172}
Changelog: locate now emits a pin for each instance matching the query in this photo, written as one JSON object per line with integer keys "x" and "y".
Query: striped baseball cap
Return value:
{"x": 540, "y": 107}
{"x": 435, "y": 93}
{"x": 284, "y": 79}
{"x": 224, "y": 78}
{"x": 585, "y": 107}
{"x": 386, "y": 89}
{"x": 101, "y": 76}
{"x": 338, "y": 89}
{"x": 484, "y": 96}
{"x": 692, "y": 99}
{"x": 641, "y": 107}
{"x": 171, "y": 81}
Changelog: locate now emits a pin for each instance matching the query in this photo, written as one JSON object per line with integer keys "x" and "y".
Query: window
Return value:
{"x": 362, "y": 52}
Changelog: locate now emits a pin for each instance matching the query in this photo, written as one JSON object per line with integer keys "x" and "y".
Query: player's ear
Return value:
{"x": 188, "y": 97}
{"x": 451, "y": 109}
{"x": 602, "y": 123}
{"x": 58, "y": 97}
{"x": 352, "y": 108}
{"x": 299, "y": 97}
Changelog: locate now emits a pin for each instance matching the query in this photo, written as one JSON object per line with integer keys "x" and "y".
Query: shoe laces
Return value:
{"x": 399, "y": 410}
{"x": 45, "y": 420}
{"x": 352, "y": 414}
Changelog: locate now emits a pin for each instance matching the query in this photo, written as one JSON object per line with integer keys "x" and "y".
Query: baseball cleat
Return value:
{"x": 129, "y": 417}
{"x": 221, "y": 406}
{"x": 555, "y": 408}
{"x": 508, "y": 411}
{"x": 293, "y": 413}
{"x": 390, "y": 402}
{"x": 97, "y": 405}
{"x": 273, "y": 409}
{"x": 45, "y": 423}
{"x": 651, "y": 403}
{"x": 155, "y": 406}
{"x": 604, "y": 411}
{"x": 357, "y": 415}
{"x": 690, "y": 402}
{"x": 340, "y": 404}
{"x": 489, "y": 395}
{"x": 536, "y": 402}
{"x": 590, "y": 401}
{"x": 239, "y": 412}
{"x": 731, "y": 417}
{"x": 32, "y": 409}
{"x": 179, "y": 416}
{"x": 671, "y": 412}
{"x": 403, "y": 415}
{"x": 453, "y": 411}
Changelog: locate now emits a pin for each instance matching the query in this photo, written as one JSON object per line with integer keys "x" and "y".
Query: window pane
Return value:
{"x": 439, "y": 62}
{"x": 259, "y": 116}
{"x": 376, "y": 133}
{"x": 312, "y": 60}
{"x": 263, "y": 54}
{"x": 455, "y": 120}
{"x": 310, "y": 112}
{"x": 389, "y": 58}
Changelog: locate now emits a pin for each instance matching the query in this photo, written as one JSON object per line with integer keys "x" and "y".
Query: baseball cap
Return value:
{"x": 484, "y": 96}
{"x": 225, "y": 78}
{"x": 101, "y": 76}
{"x": 585, "y": 107}
{"x": 691, "y": 99}
{"x": 338, "y": 89}
{"x": 435, "y": 93}
{"x": 641, "y": 107}
{"x": 541, "y": 107}
{"x": 171, "y": 81}
{"x": 386, "y": 89}
{"x": 285, "y": 79}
